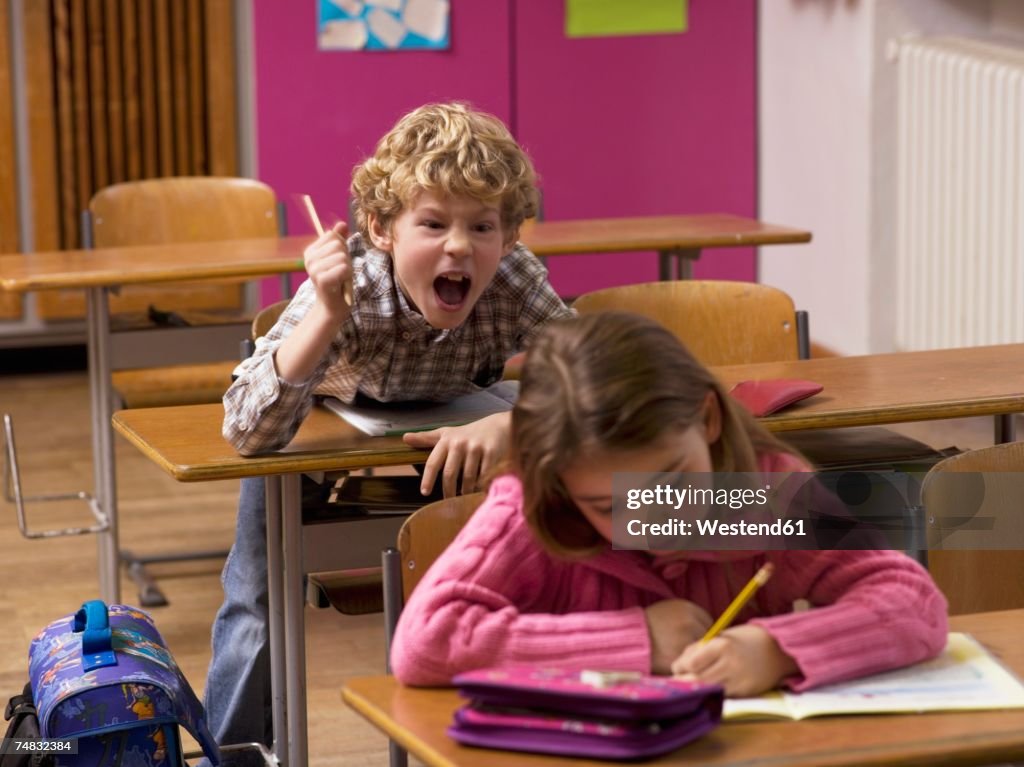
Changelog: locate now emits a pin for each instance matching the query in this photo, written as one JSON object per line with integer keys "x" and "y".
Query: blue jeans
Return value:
{"x": 237, "y": 697}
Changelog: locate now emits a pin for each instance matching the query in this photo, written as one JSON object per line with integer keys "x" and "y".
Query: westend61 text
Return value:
{"x": 675, "y": 527}
{"x": 667, "y": 495}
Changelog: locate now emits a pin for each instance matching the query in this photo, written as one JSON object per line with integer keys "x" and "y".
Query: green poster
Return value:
{"x": 601, "y": 18}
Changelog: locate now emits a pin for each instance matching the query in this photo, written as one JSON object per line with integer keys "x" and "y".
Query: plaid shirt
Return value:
{"x": 385, "y": 350}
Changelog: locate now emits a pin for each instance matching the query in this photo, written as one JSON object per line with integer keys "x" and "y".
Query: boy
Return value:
{"x": 442, "y": 296}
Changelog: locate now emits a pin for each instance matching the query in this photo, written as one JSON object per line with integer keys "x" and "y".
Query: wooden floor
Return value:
{"x": 46, "y": 579}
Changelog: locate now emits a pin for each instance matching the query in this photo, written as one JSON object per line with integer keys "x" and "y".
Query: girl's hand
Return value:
{"x": 673, "y": 625}
{"x": 472, "y": 450}
{"x": 745, "y": 660}
{"x": 329, "y": 267}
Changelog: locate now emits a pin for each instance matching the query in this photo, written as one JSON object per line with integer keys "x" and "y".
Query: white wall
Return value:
{"x": 827, "y": 149}
{"x": 814, "y": 101}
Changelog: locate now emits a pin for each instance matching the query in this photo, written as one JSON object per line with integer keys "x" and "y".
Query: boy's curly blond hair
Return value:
{"x": 451, "y": 150}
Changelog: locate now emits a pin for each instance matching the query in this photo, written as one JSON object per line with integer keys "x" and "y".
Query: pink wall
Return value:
{"x": 630, "y": 126}
{"x": 617, "y": 126}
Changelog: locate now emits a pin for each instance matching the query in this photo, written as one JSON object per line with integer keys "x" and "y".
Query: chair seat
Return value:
{"x": 173, "y": 385}
{"x": 352, "y": 592}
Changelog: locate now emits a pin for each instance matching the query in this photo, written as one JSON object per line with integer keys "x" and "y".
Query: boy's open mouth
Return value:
{"x": 452, "y": 288}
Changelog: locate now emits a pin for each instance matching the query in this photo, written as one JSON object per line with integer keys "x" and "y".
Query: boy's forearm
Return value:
{"x": 300, "y": 353}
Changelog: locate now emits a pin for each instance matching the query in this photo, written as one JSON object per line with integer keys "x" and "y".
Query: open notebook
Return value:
{"x": 383, "y": 419}
{"x": 964, "y": 677}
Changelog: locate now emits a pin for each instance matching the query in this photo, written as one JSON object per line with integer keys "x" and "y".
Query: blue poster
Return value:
{"x": 379, "y": 25}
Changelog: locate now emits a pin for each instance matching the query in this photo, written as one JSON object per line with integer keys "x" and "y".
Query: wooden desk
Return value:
{"x": 105, "y": 267}
{"x": 186, "y": 442}
{"x": 678, "y": 238}
{"x": 100, "y": 271}
{"x": 417, "y": 718}
{"x": 894, "y": 388}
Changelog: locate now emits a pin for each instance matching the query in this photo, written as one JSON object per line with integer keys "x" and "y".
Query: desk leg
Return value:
{"x": 275, "y": 613}
{"x": 1005, "y": 428}
{"x": 104, "y": 471}
{"x": 683, "y": 257}
{"x": 664, "y": 265}
{"x": 295, "y": 629}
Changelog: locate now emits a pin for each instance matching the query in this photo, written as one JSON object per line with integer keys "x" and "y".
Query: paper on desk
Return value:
{"x": 394, "y": 418}
{"x": 964, "y": 677}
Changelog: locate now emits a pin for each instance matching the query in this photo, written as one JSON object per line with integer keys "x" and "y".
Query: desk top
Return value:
{"x": 20, "y": 272}
{"x": 417, "y": 718}
{"x": 173, "y": 262}
{"x": 607, "y": 235}
{"x": 185, "y": 441}
{"x": 893, "y": 388}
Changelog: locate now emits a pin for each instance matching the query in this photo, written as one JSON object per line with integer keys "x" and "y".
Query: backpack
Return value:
{"x": 104, "y": 678}
{"x": 22, "y": 724}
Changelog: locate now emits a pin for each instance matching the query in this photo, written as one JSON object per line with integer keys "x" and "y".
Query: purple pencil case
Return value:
{"x": 555, "y": 711}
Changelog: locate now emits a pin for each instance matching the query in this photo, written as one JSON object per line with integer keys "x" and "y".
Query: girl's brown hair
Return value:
{"x": 611, "y": 381}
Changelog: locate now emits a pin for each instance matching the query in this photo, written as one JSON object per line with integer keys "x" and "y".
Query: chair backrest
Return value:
{"x": 424, "y": 535}
{"x": 980, "y": 579}
{"x": 428, "y": 531}
{"x": 266, "y": 317}
{"x": 182, "y": 209}
{"x": 1008, "y": 457}
{"x": 721, "y": 322}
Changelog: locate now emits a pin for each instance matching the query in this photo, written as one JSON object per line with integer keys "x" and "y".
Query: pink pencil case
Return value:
{"x": 553, "y": 711}
{"x": 771, "y": 395}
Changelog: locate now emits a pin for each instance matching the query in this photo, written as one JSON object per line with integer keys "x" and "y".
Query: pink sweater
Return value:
{"x": 496, "y": 597}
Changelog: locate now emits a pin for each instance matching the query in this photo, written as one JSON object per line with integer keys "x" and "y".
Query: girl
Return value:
{"x": 532, "y": 577}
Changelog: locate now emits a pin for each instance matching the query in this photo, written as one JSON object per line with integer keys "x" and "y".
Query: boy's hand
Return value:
{"x": 746, "y": 660}
{"x": 673, "y": 624}
{"x": 473, "y": 449}
{"x": 330, "y": 268}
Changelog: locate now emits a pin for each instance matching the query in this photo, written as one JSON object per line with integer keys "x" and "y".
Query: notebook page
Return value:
{"x": 964, "y": 677}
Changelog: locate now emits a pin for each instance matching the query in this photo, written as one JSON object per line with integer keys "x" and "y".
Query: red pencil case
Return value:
{"x": 771, "y": 395}
{"x": 556, "y": 711}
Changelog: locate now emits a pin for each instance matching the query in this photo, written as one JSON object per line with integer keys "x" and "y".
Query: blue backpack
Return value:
{"x": 104, "y": 680}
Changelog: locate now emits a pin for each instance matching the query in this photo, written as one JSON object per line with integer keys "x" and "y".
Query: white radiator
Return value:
{"x": 960, "y": 259}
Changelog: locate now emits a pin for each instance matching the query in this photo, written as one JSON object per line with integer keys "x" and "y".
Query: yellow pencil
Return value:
{"x": 760, "y": 578}
{"x": 307, "y": 201}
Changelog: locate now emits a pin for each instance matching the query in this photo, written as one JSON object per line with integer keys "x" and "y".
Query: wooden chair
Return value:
{"x": 986, "y": 482}
{"x": 180, "y": 209}
{"x": 424, "y": 535}
{"x": 721, "y": 322}
{"x": 266, "y": 318}
{"x": 731, "y": 323}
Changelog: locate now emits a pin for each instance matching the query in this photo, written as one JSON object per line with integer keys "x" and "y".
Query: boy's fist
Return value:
{"x": 329, "y": 267}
